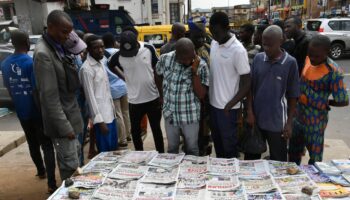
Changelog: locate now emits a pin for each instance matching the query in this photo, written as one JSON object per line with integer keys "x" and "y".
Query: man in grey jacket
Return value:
{"x": 57, "y": 82}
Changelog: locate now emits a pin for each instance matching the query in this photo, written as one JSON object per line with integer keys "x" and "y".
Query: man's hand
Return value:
{"x": 195, "y": 64}
{"x": 227, "y": 109}
{"x": 250, "y": 118}
{"x": 71, "y": 136}
{"x": 104, "y": 128}
{"x": 287, "y": 131}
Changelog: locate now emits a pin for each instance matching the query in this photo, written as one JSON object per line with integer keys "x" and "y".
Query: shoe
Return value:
{"x": 41, "y": 175}
{"x": 128, "y": 139}
{"x": 51, "y": 190}
{"x": 122, "y": 145}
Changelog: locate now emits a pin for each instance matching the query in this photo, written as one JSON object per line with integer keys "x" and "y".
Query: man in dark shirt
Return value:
{"x": 178, "y": 31}
{"x": 293, "y": 29}
{"x": 18, "y": 77}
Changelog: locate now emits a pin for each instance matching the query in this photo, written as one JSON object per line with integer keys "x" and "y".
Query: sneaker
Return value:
{"x": 122, "y": 145}
{"x": 128, "y": 139}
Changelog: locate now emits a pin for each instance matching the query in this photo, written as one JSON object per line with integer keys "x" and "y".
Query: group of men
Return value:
{"x": 197, "y": 87}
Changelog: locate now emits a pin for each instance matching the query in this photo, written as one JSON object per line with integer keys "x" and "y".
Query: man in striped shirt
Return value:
{"x": 185, "y": 82}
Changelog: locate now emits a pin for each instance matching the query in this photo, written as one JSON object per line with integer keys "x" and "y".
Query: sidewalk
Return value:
{"x": 10, "y": 140}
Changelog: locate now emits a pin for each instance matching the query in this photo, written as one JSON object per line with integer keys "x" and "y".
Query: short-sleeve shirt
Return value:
{"x": 317, "y": 84}
{"x": 181, "y": 105}
{"x": 17, "y": 70}
{"x": 272, "y": 84}
{"x": 139, "y": 73}
{"x": 227, "y": 63}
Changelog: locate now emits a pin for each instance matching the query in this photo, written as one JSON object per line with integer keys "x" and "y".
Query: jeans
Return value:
{"x": 67, "y": 153}
{"x": 123, "y": 120}
{"x": 224, "y": 132}
{"x": 190, "y": 133}
{"x": 154, "y": 114}
{"x": 34, "y": 133}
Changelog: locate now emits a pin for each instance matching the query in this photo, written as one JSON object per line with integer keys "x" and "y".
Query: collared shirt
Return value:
{"x": 17, "y": 70}
{"x": 58, "y": 46}
{"x": 181, "y": 105}
{"x": 316, "y": 85}
{"x": 273, "y": 82}
{"x": 94, "y": 79}
{"x": 227, "y": 62}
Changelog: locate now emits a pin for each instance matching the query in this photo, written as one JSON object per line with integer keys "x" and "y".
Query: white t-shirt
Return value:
{"x": 227, "y": 62}
{"x": 139, "y": 76}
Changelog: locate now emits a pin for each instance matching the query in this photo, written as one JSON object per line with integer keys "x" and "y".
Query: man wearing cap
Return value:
{"x": 138, "y": 61}
{"x": 95, "y": 82}
{"x": 75, "y": 45}
{"x": 57, "y": 82}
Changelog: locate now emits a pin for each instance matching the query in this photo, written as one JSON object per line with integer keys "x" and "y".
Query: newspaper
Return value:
{"x": 278, "y": 168}
{"x": 192, "y": 182}
{"x": 314, "y": 174}
{"x": 189, "y": 194}
{"x": 266, "y": 196}
{"x": 329, "y": 190}
{"x": 167, "y": 160}
{"x": 222, "y": 183}
{"x": 222, "y": 166}
{"x": 110, "y": 156}
{"x": 62, "y": 193}
{"x": 161, "y": 175}
{"x": 294, "y": 184}
{"x": 238, "y": 194}
{"x": 327, "y": 168}
{"x": 195, "y": 160}
{"x": 253, "y": 168}
{"x": 261, "y": 184}
{"x": 138, "y": 157}
{"x": 339, "y": 179}
{"x": 99, "y": 166}
{"x": 192, "y": 170}
{"x": 301, "y": 197}
{"x": 128, "y": 171}
{"x": 346, "y": 177}
{"x": 116, "y": 189}
{"x": 154, "y": 192}
{"x": 342, "y": 164}
{"x": 88, "y": 180}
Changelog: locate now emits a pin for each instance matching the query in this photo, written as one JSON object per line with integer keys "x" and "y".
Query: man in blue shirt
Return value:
{"x": 18, "y": 74}
{"x": 275, "y": 89}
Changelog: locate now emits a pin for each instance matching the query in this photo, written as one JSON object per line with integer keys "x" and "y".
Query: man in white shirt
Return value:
{"x": 94, "y": 79}
{"x": 135, "y": 63}
{"x": 230, "y": 82}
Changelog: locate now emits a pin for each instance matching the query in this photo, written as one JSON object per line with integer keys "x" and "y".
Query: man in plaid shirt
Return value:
{"x": 185, "y": 82}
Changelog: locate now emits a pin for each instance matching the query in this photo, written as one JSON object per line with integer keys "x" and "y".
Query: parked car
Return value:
{"x": 5, "y": 99}
{"x": 338, "y": 31}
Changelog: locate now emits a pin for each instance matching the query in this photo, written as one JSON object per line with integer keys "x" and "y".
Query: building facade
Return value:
{"x": 229, "y": 10}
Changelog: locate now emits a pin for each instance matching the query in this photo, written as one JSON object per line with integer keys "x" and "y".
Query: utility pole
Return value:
{"x": 269, "y": 7}
{"x": 189, "y": 11}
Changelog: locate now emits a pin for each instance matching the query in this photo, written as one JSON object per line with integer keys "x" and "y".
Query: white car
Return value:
{"x": 338, "y": 31}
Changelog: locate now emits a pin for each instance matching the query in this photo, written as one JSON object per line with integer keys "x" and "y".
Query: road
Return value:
{"x": 17, "y": 170}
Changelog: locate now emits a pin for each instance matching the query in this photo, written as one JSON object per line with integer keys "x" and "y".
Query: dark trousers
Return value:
{"x": 154, "y": 114}
{"x": 224, "y": 132}
{"x": 34, "y": 133}
{"x": 277, "y": 146}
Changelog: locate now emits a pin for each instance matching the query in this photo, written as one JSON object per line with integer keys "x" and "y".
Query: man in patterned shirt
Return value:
{"x": 185, "y": 82}
{"x": 321, "y": 77}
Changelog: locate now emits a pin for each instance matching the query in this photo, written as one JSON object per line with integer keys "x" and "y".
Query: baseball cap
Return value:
{"x": 128, "y": 44}
{"x": 74, "y": 44}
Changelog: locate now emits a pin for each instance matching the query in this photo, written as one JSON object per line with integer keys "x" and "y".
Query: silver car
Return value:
{"x": 338, "y": 31}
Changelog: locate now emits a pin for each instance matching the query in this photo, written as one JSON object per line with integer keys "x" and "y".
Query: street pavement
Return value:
{"x": 17, "y": 170}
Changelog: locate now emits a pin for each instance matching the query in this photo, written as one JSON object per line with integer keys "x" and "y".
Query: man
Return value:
{"x": 187, "y": 76}
{"x": 17, "y": 70}
{"x": 246, "y": 33}
{"x": 95, "y": 82}
{"x": 288, "y": 44}
{"x": 198, "y": 36}
{"x": 293, "y": 29}
{"x": 275, "y": 88}
{"x": 178, "y": 31}
{"x": 138, "y": 62}
{"x": 257, "y": 37}
{"x": 119, "y": 94}
{"x": 57, "y": 82}
{"x": 229, "y": 68}
{"x": 321, "y": 77}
